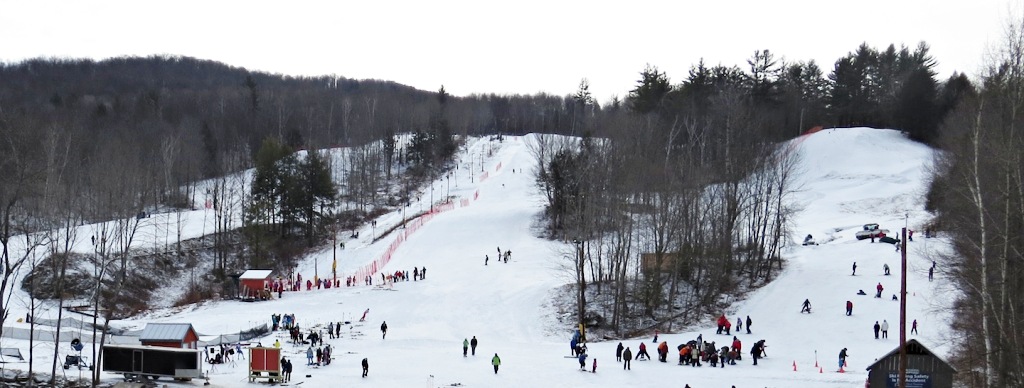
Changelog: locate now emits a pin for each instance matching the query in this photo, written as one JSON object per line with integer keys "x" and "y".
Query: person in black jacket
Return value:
{"x": 366, "y": 367}
{"x": 472, "y": 344}
{"x": 749, "y": 322}
{"x": 286, "y": 368}
{"x": 755, "y": 350}
{"x": 618, "y": 352}
{"x": 384, "y": 329}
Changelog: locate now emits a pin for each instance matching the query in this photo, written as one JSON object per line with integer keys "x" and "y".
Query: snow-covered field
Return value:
{"x": 849, "y": 177}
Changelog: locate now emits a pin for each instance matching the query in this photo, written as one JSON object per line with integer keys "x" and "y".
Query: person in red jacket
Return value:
{"x": 643, "y": 352}
{"x": 728, "y": 327}
{"x": 722, "y": 321}
{"x": 663, "y": 351}
{"x": 849, "y": 308}
{"x": 737, "y": 347}
{"x": 879, "y": 289}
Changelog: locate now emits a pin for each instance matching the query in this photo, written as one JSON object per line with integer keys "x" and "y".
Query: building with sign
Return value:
{"x": 924, "y": 369}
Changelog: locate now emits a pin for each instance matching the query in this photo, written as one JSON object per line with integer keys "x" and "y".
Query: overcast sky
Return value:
{"x": 522, "y": 46}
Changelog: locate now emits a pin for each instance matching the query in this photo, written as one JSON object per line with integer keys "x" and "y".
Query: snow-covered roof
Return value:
{"x": 256, "y": 274}
{"x": 165, "y": 331}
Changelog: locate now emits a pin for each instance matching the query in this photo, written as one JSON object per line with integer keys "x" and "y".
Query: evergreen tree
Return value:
{"x": 764, "y": 77}
{"x": 651, "y": 89}
{"x": 916, "y": 110}
{"x": 850, "y": 97}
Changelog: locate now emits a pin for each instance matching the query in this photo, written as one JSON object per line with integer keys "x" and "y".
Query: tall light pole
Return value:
{"x": 903, "y": 309}
{"x": 334, "y": 265}
{"x": 581, "y": 285}
{"x": 334, "y": 242}
{"x": 449, "y": 179}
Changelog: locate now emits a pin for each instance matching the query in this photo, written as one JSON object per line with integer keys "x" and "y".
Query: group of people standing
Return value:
{"x": 467, "y": 344}
{"x": 502, "y": 256}
{"x": 725, "y": 325}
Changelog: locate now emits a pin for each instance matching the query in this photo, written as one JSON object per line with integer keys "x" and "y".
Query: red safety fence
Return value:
{"x": 411, "y": 227}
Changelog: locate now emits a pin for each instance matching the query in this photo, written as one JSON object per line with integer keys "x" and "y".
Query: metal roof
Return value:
{"x": 165, "y": 331}
{"x": 256, "y": 274}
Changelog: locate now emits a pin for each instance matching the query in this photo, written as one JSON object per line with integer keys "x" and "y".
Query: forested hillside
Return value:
{"x": 691, "y": 165}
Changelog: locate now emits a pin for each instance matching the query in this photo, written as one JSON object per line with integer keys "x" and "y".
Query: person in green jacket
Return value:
{"x": 496, "y": 362}
{"x": 465, "y": 347}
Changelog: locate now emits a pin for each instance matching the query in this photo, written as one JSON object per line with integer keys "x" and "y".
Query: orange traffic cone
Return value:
{"x": 794, "y": 365}
{"x": 821, "y": 370}
{"x": 816, "y": 364}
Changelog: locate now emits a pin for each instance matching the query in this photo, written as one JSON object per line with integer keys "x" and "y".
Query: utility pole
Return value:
{"x": 581, "y": 287}
{"x": 903, "y": 309}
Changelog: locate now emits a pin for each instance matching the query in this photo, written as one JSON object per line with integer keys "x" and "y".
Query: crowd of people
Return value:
{"x": 280, "y": 285}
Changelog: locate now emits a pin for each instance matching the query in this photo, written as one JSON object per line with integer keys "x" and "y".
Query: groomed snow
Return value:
{"x": 849, "y": 177}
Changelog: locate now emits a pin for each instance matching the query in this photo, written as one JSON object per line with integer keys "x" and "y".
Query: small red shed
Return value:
{"x": 170, "y": 335}
{"x": 254, "y": 281}
{"x": 265, "y": 363}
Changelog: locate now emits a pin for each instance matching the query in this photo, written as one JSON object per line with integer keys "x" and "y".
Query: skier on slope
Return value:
{"x": 806, "y": 308}
{"x": 583, "y": 361}
{"x": 384, "y": 329}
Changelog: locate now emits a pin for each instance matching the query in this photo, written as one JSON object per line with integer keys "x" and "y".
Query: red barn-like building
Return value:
{"x": 170, "y": 335}
{"x": 254, "y": 281}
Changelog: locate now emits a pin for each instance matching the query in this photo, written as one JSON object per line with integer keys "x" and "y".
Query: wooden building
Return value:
{"x": 170, "y": 335}
{"x": 924, "y": 369}
{"x": 254, "y": 281}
